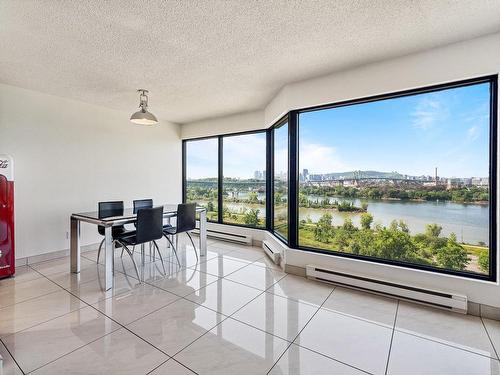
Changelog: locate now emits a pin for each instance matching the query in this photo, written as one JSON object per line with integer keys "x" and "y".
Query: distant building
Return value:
{"x": 480, "y": 181}
{"x": 305, "y": 174}
{"x": 453, "y": 183}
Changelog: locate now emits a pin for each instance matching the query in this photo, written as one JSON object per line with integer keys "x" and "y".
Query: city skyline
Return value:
{"x": 412, "y": 135}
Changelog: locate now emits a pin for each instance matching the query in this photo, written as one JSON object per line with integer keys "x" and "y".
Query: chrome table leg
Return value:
{"x": 75, "y": 245}
{"x": 108, "y": 252}
{"x": 203, "y": 233}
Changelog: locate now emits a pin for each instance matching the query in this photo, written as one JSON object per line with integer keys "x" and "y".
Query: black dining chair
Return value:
{"x": 186, "y": 221}
{"x": 138, "y": 204}
{"x": 149, "y": 229}
{"x": 142, "y": 203}
{"x": 110, "y": 209}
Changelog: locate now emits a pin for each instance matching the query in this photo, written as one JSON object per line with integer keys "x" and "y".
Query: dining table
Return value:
{"x": 128, "y": 217}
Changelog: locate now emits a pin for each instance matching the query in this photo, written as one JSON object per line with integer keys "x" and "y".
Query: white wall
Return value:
{"x": 224, "y": 125}
{"x": 69, "y": 155}
{"x": 473, "y": 58}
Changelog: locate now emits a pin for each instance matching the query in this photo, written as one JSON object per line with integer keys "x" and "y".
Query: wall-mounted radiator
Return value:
{"x": 444, "y": 300}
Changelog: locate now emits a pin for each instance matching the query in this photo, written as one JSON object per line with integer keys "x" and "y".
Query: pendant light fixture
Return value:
{"x": 143, "y": 116}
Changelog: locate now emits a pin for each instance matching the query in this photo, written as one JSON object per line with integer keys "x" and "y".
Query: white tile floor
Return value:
{"x": 233, "y": 312}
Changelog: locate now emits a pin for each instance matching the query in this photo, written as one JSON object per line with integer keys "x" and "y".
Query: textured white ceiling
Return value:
{"x": 209, "y": 58}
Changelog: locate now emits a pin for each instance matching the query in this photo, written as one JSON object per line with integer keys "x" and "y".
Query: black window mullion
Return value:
{"x": 493, "y": 177}
{"x": 220, "y": 213}
{"x": 269, "y": 179}
{"x": 184, "y": 185}
{"x": 293, "y": 166}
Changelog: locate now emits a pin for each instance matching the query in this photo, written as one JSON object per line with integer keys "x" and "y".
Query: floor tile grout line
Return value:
{"x": 172, "y": 359}
{"x": 125, "y": 327}
{"x": 128, "y": 330}
{"x": 31, "y": 298}
{"x": 443, "y": 343}
{"x": 15, "y": 277}
{"x": 14, "y": 359}
{"x": 220, "y": 313}
{"x": 297, "y": 335}
{"x": 392, "y": 339}
{"x": 48, "y": 320}
{"x": 489, "y": 337}
{"x": 312, "y": 350}
{"x": 158, "y": 309}
{"x": 356, "y": 317}
{"x": 72, "y": 351}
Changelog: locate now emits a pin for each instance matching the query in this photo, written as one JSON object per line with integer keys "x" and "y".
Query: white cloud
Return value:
{"x": 319, "y": 158}
{"x": 473, "y": 132}
{"x": 428, "y": 113}
{"x": 244, "y": 154}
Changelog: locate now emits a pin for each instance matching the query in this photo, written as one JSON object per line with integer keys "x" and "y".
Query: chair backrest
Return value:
{"x": 149, "y": 224}
{"x": 186, "y": 217}
{"x": 142, "y": 203}
{"x": 108, "y": 209}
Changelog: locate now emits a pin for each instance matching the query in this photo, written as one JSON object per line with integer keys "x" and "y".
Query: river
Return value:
{"x": 470, "y": 222}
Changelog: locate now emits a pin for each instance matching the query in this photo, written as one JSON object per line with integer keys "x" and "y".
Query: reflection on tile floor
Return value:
{"x": 232, "y": 312}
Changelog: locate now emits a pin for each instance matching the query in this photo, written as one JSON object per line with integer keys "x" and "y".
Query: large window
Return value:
{"x": 280, "y": 180}
{"x": 202, "y": 166}
{"x": 407, "y": 178}
{"x": 244, "y": 182}
{"x": 404, "y": 179}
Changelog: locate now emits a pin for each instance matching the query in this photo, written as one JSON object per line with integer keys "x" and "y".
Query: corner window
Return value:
{"x": 405, "y": 179}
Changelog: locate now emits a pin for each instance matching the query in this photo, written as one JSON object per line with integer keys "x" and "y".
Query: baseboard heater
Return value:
{"x": 434, "y": 298}
{"x": 271, "y": 253}
{"x": 226, "y": 236}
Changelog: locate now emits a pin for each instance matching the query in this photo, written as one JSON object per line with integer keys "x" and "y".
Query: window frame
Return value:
{"x": 493, "y": 145}
{"x": 220, "y": 174}
{"x": 278, "y": 124}
{"x": 292, "y": 118}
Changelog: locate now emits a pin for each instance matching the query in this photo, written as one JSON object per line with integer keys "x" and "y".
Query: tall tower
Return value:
{"x": 436, "y": 175}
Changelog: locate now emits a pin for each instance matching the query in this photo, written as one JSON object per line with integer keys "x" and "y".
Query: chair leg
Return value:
{"x": 143, "y": 254}
{"x": 131, "y": 256}
{"x": 195, "y": 252}
{"x": 159, "y": 254}
{"x": 99, "y": 251}
{"x": 173, "y": 247}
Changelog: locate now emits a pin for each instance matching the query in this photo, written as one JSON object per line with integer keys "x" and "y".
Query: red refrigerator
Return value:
{"x": 7, "y": 255}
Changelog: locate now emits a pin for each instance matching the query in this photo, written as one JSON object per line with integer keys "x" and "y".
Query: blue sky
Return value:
{"x": 446, "y": 129}
{"x": 411, "y": 135}
{"x": 243, "y": 155}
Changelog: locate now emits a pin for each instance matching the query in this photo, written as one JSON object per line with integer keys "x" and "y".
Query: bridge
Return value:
{"x": 367, "y": 181}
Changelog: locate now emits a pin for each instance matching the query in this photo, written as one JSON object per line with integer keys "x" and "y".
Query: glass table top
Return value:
{"x": 127, "y": 213}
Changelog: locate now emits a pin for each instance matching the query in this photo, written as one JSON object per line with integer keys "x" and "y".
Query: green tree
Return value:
{"x": 251, "y": 217}
{"x": 433, "y": 230}
{"x": 348, "y": 225}
{"x": 278, "y": 197}
{"x": 366, "y": 220}
{"x": 453, "y": 255}
{"x": 323, "y": 228}
{"x": 253, "y": 197}
{"x": 484, "y": 260}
